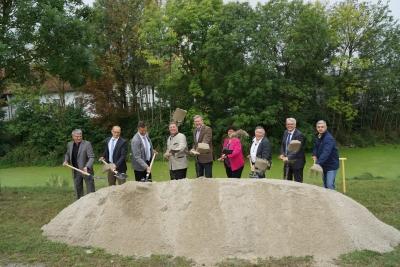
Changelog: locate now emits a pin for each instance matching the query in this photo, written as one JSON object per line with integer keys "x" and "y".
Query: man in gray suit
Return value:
{"x": 176, "y": 153}
{"x": 142, "y": 152}
{"x": 80, "y": 155}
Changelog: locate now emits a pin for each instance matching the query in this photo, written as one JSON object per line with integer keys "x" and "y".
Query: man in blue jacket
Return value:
{"x": 325, "y": 153}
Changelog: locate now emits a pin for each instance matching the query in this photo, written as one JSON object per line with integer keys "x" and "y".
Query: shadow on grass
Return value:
{"x": 367, "y": 176}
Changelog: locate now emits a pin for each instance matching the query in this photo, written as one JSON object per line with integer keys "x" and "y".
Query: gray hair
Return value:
{"x": 292, "y": 120}
{"x": 174, "y": 123}
{"x": 260, "y": 128}
{"x": 197, "y": 117}
{"x": 76, "y": 132}
{"x": 322, "y": 122}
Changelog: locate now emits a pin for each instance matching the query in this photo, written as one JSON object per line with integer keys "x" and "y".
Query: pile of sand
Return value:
{"x": 209, "y": 220}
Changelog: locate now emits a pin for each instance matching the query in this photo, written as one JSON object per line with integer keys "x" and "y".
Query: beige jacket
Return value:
{"x": 177, "y": 147}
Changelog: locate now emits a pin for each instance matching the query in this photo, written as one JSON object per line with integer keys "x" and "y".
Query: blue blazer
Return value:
{"x": 326, "y": 152}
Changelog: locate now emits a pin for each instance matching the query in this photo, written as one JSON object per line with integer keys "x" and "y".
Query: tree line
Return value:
{"x": 233, "y": 63}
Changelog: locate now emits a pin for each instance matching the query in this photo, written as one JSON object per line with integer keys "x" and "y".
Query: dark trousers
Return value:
{"x": 204, "y": 169}
{"x": 292, "y": 174}
{"x": 78, "y": 184}
{"x": 112, "y": 179}
{"x": 177, "y": 174}
{"x": 233, "y": 174}
{"x": 140, "y": 176}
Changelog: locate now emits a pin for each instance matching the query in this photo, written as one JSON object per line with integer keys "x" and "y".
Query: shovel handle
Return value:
{"x": 76, "y": 169}
{"x": 102, "y": 160}
{"x": 105, "y": 163}
{"x": 251, "y": 165}
{"x": 151, "y": 165}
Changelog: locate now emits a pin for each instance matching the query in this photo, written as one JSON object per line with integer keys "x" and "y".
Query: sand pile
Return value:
{"x": 208, "y": 220}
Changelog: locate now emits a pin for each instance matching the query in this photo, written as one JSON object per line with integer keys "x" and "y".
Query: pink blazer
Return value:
{"x": 236, "y": 158}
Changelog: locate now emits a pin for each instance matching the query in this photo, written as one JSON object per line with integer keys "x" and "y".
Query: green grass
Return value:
{"x": 362, "y": 164}
{"x": 26, "y": 204}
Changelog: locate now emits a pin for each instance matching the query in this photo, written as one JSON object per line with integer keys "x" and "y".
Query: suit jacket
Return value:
{"x": 236, "y": 158}
{"x": 119, "y": 154}
{"x": 85, "y": 156}
{"x": 326, "y": 152}
{"x": 297, "y": 160}
{"x": 264, "y": 150}
{"x": 139, "y": 154}
{"x": 204, "y": 137}
{"x": 177, "y": 146}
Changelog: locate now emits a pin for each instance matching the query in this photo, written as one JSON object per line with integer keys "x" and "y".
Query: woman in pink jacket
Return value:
{"x": 232, "y": 155}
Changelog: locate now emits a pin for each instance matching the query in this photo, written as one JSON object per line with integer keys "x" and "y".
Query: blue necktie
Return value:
{"x": 110, "y": 158}
{"x": 288, "y": 141}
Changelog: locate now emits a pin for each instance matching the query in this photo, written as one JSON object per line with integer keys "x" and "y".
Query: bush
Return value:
{"x": 41, "y": 131}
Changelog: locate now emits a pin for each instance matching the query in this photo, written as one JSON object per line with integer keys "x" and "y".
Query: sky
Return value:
{"x": 394, "y": 5}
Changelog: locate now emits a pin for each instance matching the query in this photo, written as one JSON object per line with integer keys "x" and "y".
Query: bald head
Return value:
{"x": 116, "y": 131}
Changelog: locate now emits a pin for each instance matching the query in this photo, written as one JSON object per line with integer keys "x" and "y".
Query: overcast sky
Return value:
{"x": 394, "y": 4}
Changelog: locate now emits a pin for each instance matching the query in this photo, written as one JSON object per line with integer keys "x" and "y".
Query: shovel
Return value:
{"x": 111, "y": 167}
{"x": 82, "y": 172}
{"x": 151, "y": 165}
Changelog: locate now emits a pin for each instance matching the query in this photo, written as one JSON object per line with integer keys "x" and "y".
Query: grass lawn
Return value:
{"x": 28, "y": 200}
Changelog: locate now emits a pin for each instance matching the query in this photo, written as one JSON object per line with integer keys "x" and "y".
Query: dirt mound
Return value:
{"x": 208, "y": 220}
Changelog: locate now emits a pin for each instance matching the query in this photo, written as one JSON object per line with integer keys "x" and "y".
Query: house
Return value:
{"x": 51, "y": 93}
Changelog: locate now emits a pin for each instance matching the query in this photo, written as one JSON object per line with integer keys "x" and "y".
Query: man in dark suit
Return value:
{"x": 142, "y": 153}
{"x": 293, "y": 162}
{"x": 204, "y": 160}
{"x": 260, "y": 148}
{"x": 115, "y": 152}
{"x": 80, "y": 155}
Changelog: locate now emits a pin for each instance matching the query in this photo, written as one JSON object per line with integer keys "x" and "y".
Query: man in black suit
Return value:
{"x": 260, "y": 148}
{"x": 115, "y": 152}
{"x": 293, "y": 162}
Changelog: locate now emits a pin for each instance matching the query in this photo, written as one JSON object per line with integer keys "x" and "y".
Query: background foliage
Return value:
{"x": 235, "y": 64}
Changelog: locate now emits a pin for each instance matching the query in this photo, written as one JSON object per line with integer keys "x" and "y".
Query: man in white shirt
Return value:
{"x": 260, "y": 148}
{"x": 142, "y": 153}
{"x": 115, "y": 152}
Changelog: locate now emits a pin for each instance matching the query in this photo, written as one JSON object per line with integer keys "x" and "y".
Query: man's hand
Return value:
{"x": 314, "y": 158}
{"x": 85, "y": 169}
{"x": 281, "y": 157}
{"x": 65, "y": 163}
{"x": 102, "y": 158}
{"x": 194, "y": 152}
{"x": 285, "y": 159}
{"x": 148, "y": 170}
{"x": 167, "y": 155}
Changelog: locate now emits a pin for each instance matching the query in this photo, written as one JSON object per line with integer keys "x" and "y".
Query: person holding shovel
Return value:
{"x": 293, "y": 161}
{"x": 80, "y": 155}
{"x": 202, "y": 147}
{"x": 260, "y": 153}
{"x": 325, "y": 154}
{"x": 232, "y": 154}
{"x": 176, "y": 153}
{"x": 142, "y": 153}
{"x": 115, "y": 152}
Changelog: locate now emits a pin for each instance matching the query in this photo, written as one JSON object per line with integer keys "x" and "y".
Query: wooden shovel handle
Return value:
{"x": 76, "y": 169}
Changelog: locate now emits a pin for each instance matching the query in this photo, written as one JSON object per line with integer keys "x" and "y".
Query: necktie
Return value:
{"x": 112, "y": 150}
{"x": 146, "y": 148}
{"x": 289, "y": 136}
{"x": 197, "y": 134}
